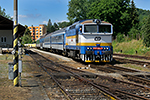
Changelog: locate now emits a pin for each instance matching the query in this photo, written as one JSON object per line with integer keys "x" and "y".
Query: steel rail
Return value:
{"x": 94, "y": 84}
{"x": 63, "y": 90}
{"x": 142, "y": 80}
{"x": 108, "y": 94}
{"x": 132, "y": 56}
{"x": 137, "y": 61}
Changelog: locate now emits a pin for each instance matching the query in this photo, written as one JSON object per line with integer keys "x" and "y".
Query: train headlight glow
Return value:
{"x": 91, "y": 48}
{"x": 104, "y": 48}
{"x": 88, "y": 48}
{"x": 107, "y": 48}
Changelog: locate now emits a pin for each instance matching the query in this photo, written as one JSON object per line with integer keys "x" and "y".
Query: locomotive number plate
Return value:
{"x": 97, "y": 38}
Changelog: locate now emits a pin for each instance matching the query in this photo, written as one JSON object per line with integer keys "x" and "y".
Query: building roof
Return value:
{"x": 7, "y": 24}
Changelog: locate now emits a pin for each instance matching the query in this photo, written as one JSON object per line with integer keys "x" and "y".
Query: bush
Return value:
{"x": 133, "y": 33}
{"x": 120, "y": 37}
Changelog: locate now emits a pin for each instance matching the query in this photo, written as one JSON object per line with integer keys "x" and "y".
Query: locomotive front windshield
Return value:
{"x": 97, "y": 28}
{"x": 90, "y": 28}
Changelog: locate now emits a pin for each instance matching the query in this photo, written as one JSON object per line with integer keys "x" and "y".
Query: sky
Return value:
{"x": 35, "y": 12}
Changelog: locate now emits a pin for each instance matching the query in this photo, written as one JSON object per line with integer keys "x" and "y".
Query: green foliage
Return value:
{"x": 77, "y": 10}
{"x": 146, "y": 31}
{"x": 135, "y": 32}
{"x": 53, "y": 28}
{"x": 114, "y": 11}
{"x": 26, "y": 39}
{"x": 49, "y": 26}
{"x": 120, "y": 37}
{"x": 142, "y": 13}
{"x": 27, "y": 31}
{"x": 121, "y": 13}
{"x": 63, "y": 24}
{"x": 134, "y": 14}
{"x": 2, "y": 12}
{"x": 130, "y": 47}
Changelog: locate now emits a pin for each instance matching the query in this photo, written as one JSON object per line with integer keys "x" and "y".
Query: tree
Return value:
{"x": 133, "y": 14}
{"x": 52, "y": 28}
{"x": 27, "y": 31}
{"x": 26, "y": 38}
{"x": 146, "y": 32}
{"x": 63, "y": 24}
{"x": 77, "y": 10}
{"x": 49, "y": 26}
{"x": 113, "y": 11}
{"x": 2, "y": 12}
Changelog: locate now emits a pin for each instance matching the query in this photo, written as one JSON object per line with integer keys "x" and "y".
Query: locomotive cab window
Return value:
{"x": 105, "y": 29}
{"x": 90, "y": 28}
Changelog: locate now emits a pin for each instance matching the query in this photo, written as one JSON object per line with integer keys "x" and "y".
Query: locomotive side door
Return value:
{"x": 77, "y": 36}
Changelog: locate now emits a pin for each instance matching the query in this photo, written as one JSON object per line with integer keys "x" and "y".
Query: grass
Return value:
{"x": 130, "y": 47}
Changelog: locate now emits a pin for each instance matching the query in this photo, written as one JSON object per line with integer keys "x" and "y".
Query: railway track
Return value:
{"x": 133, "y": 59}
{"x": 77, "y": 84}
{"x": 130, "y": 74}
{"x": 132, "y": 56}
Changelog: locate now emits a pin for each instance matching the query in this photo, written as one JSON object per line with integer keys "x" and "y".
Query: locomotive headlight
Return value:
{"x": 88, "y": 48}
{"x": 107, "y": 48}
{"x": 91, "y": 48}
{"x": 104, "y": 48}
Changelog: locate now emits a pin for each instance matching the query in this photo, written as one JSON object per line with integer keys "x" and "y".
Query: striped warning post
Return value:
{"x": 15, "y": 56}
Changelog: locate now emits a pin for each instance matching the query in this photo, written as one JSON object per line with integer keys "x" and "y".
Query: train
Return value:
{"x": 89, "y": 40}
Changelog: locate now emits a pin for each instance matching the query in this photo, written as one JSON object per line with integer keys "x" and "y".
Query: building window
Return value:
{"x": 40, "y": 34}
{"x": 33, "y": 33}
{"x": 37, "y": 28}
{"x": 3, "y": 39}
{"x": 36, "y": 36}
{"x": 36, "y": 33}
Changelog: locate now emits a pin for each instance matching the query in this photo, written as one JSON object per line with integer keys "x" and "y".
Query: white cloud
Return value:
{"x": 22, "y": 16}
{"x": 44, "y": 22}
{"x": 61, "y": 21}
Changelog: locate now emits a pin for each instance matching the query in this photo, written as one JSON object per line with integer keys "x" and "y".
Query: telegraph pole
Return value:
{"x": 15, "y": 44}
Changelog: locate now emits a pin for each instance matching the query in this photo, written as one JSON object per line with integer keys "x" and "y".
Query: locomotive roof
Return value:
{"x": 88, "y": 21}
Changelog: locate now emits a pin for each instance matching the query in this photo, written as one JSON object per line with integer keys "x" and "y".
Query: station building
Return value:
{"x": 6, "y": 32}
{"x": 37, "y": 31}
